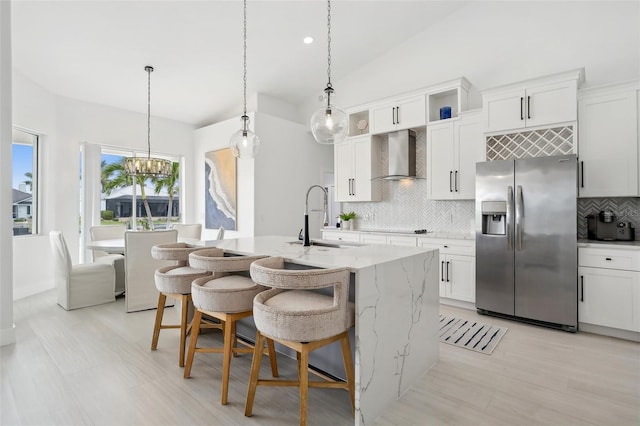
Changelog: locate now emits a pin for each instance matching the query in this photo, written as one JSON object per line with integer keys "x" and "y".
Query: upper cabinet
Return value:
{"x": 355, "y": 160}
{"x": 398, "y": 115}
{"x": 453, "y": 149}
{"x": 535, "y": 103}
{"x": 608, "y": 141}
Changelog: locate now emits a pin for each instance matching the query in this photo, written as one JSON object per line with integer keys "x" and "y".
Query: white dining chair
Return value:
{"x": 140, "y": 267}
{"x": 79, "y": 286}
{"x": 110, "y": 232}
{"x": 188, "y": 230}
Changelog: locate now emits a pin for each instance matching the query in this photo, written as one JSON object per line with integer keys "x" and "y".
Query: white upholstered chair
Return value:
{"x": 228, "y": 297}
{"x": 79, "y": 286}
{"x": 303, "y": 320}
{"x": 110, "y": 232}
{"x": 188, "y": 230}
{"x": 174, "y": 282}
{"x": 140, "y": 267}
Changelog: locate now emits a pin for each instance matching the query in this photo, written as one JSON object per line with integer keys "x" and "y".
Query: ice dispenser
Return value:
{"x": 494, "y": 217}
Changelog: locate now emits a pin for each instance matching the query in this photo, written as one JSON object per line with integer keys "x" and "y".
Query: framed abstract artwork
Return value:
{"x": 220, "y": 189}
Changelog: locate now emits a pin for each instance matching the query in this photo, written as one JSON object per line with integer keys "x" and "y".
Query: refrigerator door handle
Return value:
{"x": 519, "y": 207}
{"x": 509, "y": 217}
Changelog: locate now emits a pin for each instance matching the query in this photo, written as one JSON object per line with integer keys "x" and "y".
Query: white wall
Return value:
{"x": 494, "y": 43}
{"x": 272, "y": 187}
{"x": 65, "y": 124}
{"x": 7, "y": 332}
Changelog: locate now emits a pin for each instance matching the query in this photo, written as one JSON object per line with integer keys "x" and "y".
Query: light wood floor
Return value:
{"x": 93, "y": 366}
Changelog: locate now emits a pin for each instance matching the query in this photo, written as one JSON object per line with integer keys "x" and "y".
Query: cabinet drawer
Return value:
{"x": 610, "y": 258}
{"x": 449, "y": 246}
{"x": 341, "y": 236}
{"x": 401, "y": 240}
{"x": 373, "y": 239}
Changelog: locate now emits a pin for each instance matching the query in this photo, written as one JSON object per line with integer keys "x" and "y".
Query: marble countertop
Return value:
{"x": 429, "y": 234}
{"x": 353, "y": 256}
{"x": 619, "y": 244}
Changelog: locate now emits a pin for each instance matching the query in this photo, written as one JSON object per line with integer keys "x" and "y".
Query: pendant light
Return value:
{"x": 329, "y": 124}
{"x": 147, "y": 166}
{"x": 244, "y": 143}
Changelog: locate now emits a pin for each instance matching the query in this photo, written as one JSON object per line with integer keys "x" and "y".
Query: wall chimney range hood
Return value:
{"x": 402, "y": 156}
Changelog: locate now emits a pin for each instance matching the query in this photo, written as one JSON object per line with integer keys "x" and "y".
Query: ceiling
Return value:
{"x": 96, "y": 51}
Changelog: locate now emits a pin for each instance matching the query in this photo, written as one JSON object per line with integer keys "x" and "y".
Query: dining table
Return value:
{"x": 116, "y": 245}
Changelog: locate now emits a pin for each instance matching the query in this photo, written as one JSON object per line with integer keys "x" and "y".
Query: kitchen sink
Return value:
{"x": 336, "y": 244}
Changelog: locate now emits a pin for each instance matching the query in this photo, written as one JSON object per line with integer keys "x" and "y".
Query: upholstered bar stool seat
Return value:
{"x": 174, "y": 282}
{"x": 228, "y": 297}
{"x": 303, "y": 320}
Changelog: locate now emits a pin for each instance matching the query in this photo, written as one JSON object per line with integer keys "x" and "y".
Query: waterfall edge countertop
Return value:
{"x": 396, "y": 295}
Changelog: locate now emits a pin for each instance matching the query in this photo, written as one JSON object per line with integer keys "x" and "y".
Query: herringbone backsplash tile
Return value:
{"x": 626, "y": 210}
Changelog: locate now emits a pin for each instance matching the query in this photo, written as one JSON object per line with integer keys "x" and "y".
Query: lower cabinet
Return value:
{"x": 351, "y": 237}
{"x": 608, "y": 296}
{"x": 457, "y": 267}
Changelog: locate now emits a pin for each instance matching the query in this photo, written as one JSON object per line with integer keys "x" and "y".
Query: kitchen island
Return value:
{"x": 396, "y": 298}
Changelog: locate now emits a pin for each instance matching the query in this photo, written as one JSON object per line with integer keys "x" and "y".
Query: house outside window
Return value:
{"x": 25, "y": 150}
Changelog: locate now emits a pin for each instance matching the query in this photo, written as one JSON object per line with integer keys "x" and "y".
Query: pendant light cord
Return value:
{"x": 148, "y": 69}
{"x": 244, "y": 65}
{"x": 329, "y": 42}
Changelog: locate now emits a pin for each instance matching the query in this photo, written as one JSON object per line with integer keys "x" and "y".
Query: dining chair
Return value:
{"x": 188, "y": 230}
{"x": 140, "y": 267}
{"x": 79, "y": 286}
{"x": 110, "y": 232}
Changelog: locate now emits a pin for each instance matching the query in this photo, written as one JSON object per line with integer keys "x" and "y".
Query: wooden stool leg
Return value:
{"x": 156, "y": 328}
{"x": 184, "y": 301}
{"x": 193, "y": 340}
{"x": 304, "y": 383}
{"x": 348, "y": 368}
{"x": 229, "y": 333}
{"x": 255, "y": 373}
{"x": 272, "y": 357}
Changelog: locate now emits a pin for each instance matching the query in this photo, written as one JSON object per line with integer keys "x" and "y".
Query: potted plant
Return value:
{"x": 347, "y": 219}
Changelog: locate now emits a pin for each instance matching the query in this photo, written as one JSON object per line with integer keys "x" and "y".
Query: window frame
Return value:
{"x": 36, "y": 146}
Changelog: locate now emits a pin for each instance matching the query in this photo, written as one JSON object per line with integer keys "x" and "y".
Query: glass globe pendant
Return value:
{"x": 329, "y": 124}
{"x": 244, "y": 143}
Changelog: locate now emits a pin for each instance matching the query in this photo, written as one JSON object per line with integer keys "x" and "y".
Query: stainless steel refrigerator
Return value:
{"x": 526, "y": 235}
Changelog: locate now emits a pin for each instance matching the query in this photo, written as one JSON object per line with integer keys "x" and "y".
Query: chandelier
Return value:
{"x": 147, "y": 166}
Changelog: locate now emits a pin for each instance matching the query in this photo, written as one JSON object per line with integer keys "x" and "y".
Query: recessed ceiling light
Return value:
{"x": 308, "y": 40}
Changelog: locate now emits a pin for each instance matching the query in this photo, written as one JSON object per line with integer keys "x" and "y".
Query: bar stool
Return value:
{"x": 227, "y": 297}
{"x": 174, "y": 282}
{"x": 303, "y": 320}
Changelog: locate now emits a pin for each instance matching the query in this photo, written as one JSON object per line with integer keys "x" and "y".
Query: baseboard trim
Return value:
{"x": 608, "y": 331}
{"x": 8, "y": 335}
{"x": 458, "y": 303}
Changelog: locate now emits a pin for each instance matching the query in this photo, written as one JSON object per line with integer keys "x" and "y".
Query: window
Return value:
{"x": 25, "y": 182}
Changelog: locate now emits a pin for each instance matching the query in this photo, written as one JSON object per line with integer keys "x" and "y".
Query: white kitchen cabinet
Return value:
{"x": 608, "y": 141}
{"x": 457, "y": 267}
{"x": 532, "y": 104}
{"x": 401, "y": 240}
{"x": 351, "y": 237}
{"x": 373, "y": 239}
{"x": 399, "y": 114}
{"x": 453, "y": 148}
{"x": 609, "y": 295}
{"x": 356, "y": 162}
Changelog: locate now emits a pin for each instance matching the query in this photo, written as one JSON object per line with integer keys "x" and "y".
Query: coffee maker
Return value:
{"x": 604, "y": 226}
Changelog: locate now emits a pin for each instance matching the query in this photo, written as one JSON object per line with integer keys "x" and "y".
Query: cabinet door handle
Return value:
{"x": 529, "y": 107}
{"x": 607, "y": 258}
{"x": 393, "y": 115}
{"x": 521, "y": 108}
{"x": 450, "y": 179}
{"x": 447, "y": 271}
{"x": 350, "y": 186}
{"x": 397, "y": 115}
{"x": 442, "y": 271}
{"x": 581, "y": 288}
{"x": 455, "y": 181}
{"x": 353, "y": 186}
{"x": 582, "y": 174}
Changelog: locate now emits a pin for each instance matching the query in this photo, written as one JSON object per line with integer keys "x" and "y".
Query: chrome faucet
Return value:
{"x": 306, "y": 212}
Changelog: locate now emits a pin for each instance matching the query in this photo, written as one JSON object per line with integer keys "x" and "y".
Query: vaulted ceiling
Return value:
{"x": 96, "y": 51}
